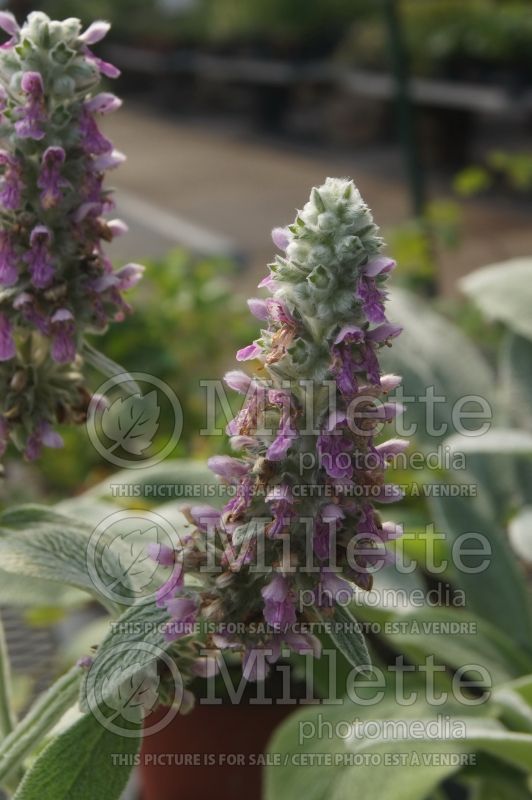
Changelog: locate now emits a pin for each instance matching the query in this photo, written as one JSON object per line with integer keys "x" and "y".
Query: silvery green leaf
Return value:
{"x": 503, "y": 292}
{"x": 84, "y": 762}
{"x": 133, "y": 644}
{"x": 346, "y": 634}
{"x": 520, "y": 532}
{"x": 508, "y": 441}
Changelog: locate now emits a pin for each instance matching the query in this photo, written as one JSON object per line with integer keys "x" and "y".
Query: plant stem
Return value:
{"x": 39, "y": 720}
{"x": 7, "y": 715}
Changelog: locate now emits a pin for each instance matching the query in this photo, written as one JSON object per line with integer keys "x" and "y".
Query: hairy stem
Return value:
{"x": 39, "y": 720}
{"x": 7, "y": 715}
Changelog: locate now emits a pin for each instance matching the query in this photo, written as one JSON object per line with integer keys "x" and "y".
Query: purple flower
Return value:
{"x": 107, "y": 69}
{"x": 8, "y": 260}
{"x": 183, "y": 611}
{"x": 167, "y": 590}
{"x": 383, "y": 333}
{"x": 50, "y": 181}
{"x": 92, "y": 139}
{"x": 230, "y": 469}
{"x": 7, "y": 345}
{"x": 372, "y": 299}
{"x": 95, "y": 32}
{"x": 385, "y": 411}
{"x": 258, "y": 308}
{"x": 325, "y": 528}
{"x": 11, "y": 186}
{"x": 108, "y": 160}
{"x": 335, "y": 447}
{"x": 238, "y": 380}
{"x": 25, "y": 303}
{"x": 38, "y": 257}
{"x": 388, "y": 493}
{"x": 333, "y": 589}
{"x": 128, "y": 276}
{"x": 391, "y": 448}
{"x": 345, "y": 365}
{"x": 278, "y": 313}
{"x": 390, "y": 382}
{"x": 285, "y": 437}
{"x": 117, "y": 227}
{"x": 391, "y": 530}
{"x": 43, "y": 435}
{"x": 247, "y": 353}
{"x": 33, "y": 114}
{"x": 63, "y": 332}
{"x": 103, "y": 103}
{"x": 9, "y": 24}
{"x": 279, "y": 609}
{"x": 205, "y": 517}
{"x": 281, "y": 238}
{"x": 269, "y": 283}
{"x": 382, "y": 265}
{"x": 281, "y": 503}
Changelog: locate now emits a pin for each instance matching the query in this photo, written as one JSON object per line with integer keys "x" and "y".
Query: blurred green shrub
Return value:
{"x": 450, "y": 38}
{"x": 510, "y": 171}
{"x": 415, "y": 244}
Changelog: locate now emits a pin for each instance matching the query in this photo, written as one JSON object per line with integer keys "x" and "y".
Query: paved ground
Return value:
{"x": 220, "y": 190}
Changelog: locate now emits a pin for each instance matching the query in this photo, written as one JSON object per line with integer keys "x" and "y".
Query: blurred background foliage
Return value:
{"x": 444, "y": 37}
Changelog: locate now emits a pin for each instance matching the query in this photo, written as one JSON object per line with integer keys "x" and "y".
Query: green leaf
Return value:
{"x": 41, "y": 717}
{"x": 135, "y": 641}
{"x": 426, "y": 356}
{"x": 346, "y": 634}
{"x": 38, "y": 593}
{"x": 515, "y": 380}
{"x": 520, "y": 532}
{"x": 504, "y": 292}
{"x": 498, "y": 593}
{"x": 36, "y": 542}
{"x": 414, "y": 779}
{"x": 497, "y": 440}
{"x": 178, "y": 479}
{"x": 413, "y": 776}
{"x": 85, "y": 762}
{"x": 458, "y": 637}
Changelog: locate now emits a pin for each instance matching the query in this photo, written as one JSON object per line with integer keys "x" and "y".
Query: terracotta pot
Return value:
{"x": 222, "y": 744}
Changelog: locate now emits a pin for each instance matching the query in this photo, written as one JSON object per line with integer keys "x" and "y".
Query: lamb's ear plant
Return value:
{"x": 57, "y": 286}
{"x": 300, "y": 531}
